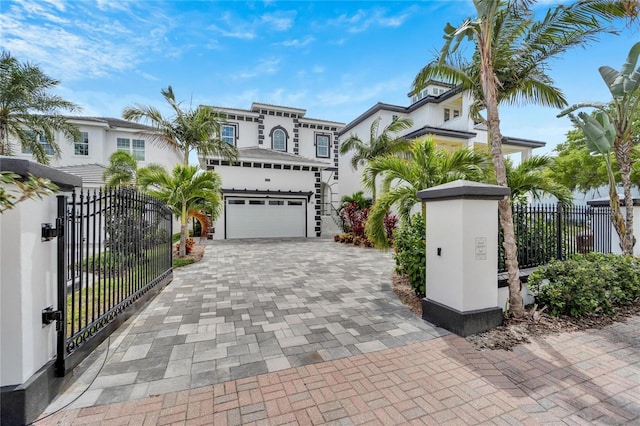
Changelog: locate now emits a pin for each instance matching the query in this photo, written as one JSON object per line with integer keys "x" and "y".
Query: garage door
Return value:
{"x": 265, "y": 217}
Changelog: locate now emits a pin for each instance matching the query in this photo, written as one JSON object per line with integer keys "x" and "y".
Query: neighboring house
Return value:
{"x": 440, "y": 111}
{"x": 100, "y": 137}
{"x": 285, "y": 177}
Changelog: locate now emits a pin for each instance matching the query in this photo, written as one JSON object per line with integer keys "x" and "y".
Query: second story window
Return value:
{"x": 229, "y": 134}
{"x": 447, "y": 114}
{"x": 134, "y": 146}
{"x": 279, "y": 140}
{"x": 322, "y": 146}
{"x": 81, "y": 144}
{"x": 42, "y": 140}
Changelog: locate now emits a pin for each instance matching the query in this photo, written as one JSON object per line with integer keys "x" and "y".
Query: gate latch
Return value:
{"x": 49, "y": 315}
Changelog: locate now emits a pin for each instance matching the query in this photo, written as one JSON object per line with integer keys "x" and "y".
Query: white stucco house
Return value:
{"x": 100, "y": 137}
{"x": 285, "y": 177}
{"x": 440, "y": 111}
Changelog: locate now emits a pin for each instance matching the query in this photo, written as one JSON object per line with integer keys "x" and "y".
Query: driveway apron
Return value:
{"x": 251, "y": 307}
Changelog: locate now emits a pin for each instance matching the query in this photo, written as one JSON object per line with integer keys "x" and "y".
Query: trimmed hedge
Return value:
{"x": 589, "y": 284}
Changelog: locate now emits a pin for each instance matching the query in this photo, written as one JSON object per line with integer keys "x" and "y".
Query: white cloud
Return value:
{"x": 238, "y": 33}
{"x": 265, "y": 66}
{"x": 297, "y": 42}
{"x": 279, "y": 21}
{"x": 84, "y": 43}
{"x": 318, "y": 69}
{"x": 362, "y": 20}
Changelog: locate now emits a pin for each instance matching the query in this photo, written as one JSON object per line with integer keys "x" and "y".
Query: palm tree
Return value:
{"x": 610, "y": 130}
{"x": 186, "y": 189}
{"x": 357, "y": 197}
{"x": 187, "y": 129}
{"x": 503, "y": 44}
{"x": 379, "y": 144}
{"x": 426, "y": 166}
{"x": 28, "y": 112}
{"x": 122, "y": 169}
{"x": 531, "y": 178}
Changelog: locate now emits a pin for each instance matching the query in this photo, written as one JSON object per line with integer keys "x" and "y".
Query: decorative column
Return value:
{"x": 462, "y": 256}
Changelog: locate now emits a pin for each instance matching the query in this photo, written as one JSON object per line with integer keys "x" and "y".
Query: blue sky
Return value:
{"x": 335, "y": 59}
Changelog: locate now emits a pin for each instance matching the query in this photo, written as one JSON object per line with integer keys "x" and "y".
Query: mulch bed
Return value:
{"x": 517, "y": 331}
{"x": 196, "y": 253}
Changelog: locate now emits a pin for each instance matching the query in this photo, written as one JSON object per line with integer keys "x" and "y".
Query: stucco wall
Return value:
{"x": 27, "y": 285}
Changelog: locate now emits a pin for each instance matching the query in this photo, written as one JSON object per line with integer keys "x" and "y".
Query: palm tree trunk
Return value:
{"x": 488, "y": 81}
{"x": 183, "y": 231}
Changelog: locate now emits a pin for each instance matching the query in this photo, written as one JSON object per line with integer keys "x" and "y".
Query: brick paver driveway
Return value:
{"x": 216, "y": 346}
{"x": 252, "y": 307}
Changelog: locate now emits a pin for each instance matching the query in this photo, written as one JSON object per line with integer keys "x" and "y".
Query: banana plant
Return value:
{"x": 609, "y": 131}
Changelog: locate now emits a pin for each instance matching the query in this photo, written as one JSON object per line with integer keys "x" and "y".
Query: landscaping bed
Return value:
{"x": 514, "y": 332}
{"x": 197, "y": 251}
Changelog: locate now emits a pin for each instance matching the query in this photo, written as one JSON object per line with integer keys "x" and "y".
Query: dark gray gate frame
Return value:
{"x": 65, "y": 362}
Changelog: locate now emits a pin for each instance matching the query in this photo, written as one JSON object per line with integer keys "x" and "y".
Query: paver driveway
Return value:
{"x": 252, "y": 307}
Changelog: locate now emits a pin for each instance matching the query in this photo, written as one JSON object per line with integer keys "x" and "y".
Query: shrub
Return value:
{"x": 410, "y": 252}
{"x": 354, "y": 218}
{"x": 390, "y": 225}
{"x": 589, "y": 284}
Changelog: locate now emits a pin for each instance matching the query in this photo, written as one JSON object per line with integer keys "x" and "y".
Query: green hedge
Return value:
{"x": 589, "y": 284}
{"x": 410, "y": 252}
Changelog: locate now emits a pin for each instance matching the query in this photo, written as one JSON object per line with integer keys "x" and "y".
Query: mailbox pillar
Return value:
{"x": 462, "y": 256}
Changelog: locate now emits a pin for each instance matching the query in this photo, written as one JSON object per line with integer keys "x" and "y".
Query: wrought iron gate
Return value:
{"x": 114, "y": 252}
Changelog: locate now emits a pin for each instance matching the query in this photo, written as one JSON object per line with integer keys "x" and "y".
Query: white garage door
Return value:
{"x": 265, "y": 217}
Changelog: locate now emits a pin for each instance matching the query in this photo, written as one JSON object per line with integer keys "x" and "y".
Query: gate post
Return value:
{"x": 61, "y": 267}
{"x": 462, "y": 256}
{"x": 27, "y": 296}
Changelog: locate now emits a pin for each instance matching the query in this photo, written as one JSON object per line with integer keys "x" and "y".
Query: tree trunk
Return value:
{"x": 623, "y": 156}
{"x": 489, "y": 88}
{"x": 182, "y": 251}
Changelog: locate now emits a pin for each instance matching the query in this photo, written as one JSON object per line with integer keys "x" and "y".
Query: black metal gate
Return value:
{"x": 114, "y": 252}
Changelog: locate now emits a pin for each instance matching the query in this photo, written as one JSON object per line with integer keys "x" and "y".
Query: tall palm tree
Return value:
{"x": 425, "y": 166}
{"x": 186, "y": 129}
{"x": 531, "y": 178}
{"x": 28, "y": 112}
{"x": 186, "y": 189}
{"x": 379, "y": 144}
{"x": 501, "y": 43}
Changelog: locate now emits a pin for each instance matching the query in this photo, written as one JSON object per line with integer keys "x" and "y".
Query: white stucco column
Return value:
{"x": 462, "y": 256}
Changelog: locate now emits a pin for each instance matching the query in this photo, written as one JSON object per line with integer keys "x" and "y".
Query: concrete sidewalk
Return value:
{"x": 581, "y": 378}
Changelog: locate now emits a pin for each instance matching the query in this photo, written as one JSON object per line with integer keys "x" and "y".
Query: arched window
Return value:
{"x": 279, "y": 140}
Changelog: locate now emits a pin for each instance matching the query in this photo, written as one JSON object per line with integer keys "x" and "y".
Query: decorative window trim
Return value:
{"x": 81, "y": 145}
{"x": 42, "y": 140}
{"x": 286, "y": 138}
{"x": 137, "y": 151}
{"x": 328, "y": 137}
{"x": 234, "y": 126}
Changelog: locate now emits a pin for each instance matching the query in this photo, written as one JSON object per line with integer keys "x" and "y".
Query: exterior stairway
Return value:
{"x": 329, "y": 227}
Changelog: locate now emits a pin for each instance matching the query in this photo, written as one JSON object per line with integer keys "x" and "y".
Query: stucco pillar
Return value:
{"x": 462, "y": 256}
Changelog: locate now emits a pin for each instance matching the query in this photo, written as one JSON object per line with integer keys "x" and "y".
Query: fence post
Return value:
{"x": 559, "y": 214}
{"x": 61, "y": 324}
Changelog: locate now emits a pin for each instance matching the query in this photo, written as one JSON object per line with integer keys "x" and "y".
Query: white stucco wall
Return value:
{"x": 615, "y": 240}
{"x": 268, "y": 180}
{"x": 464, "y": 275}
{"x": 103, "y": 143}
{"x": 27, "y": 286}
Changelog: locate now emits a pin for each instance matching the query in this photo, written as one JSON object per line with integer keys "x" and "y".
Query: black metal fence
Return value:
{"x": 553, "y": 231}
{"x": 115, "y": 248}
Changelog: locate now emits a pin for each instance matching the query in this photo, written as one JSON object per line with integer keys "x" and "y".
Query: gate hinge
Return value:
{"x": 49, "y": 232}
{"x": 49, "y": 315}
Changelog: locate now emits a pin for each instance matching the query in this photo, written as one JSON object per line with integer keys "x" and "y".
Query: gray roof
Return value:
{"x": 256, "y": 153}
{"x": 113, "y": 122}
{"x": 90, "y": 173}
